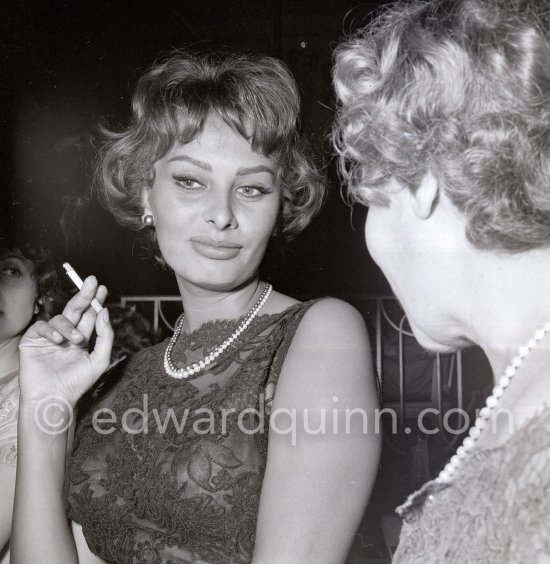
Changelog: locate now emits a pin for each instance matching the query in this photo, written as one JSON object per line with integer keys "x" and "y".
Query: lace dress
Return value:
{"x": 496, "y": 509}
{"x": 177, "y": 478}
{"x": 9, "y": 407}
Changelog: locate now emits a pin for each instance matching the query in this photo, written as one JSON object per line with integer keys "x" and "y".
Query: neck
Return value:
{"x": 201, "y": 305}
{"x": 510, "y": 301}
{"x": 9, "y": 354}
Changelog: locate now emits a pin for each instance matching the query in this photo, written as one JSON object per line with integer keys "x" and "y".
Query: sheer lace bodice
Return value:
{"x": 178, "y": 477}
{"x": 495, "y": 510}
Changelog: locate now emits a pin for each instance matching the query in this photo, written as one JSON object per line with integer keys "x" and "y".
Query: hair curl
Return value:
{"x": 171, "y": 103}
{"x": 460, "y": 88}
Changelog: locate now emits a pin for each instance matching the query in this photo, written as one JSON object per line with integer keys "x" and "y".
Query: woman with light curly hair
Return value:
{"x": 443, "y": 130}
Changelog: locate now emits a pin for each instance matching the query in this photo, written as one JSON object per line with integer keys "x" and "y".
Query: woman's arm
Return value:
{"x": 40, "y": 529}
{"x": 317, "y": 482}
{"x": 55, "y": 369}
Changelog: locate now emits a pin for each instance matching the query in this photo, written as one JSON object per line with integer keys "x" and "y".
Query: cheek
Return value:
{"x": 375, "y": 237}
{"x": 261, "y": 223}
{"x": 27, "y": 313}
{"x": 165, "y": 211}
{"x": 21, "y": 307}
{"x": 173, "y": 224}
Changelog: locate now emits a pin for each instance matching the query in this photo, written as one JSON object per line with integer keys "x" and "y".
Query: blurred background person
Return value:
{"x": 30, "y": 289}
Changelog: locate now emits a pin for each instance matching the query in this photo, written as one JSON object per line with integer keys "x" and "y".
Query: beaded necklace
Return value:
{"x": 445, "y": 476}
{"x": 196, "y": 367}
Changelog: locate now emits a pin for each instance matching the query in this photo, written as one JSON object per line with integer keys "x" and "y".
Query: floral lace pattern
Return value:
{"x": 495, "y": 510}
{"x": 9, "y": 407}
{"x": 185, "y": 488}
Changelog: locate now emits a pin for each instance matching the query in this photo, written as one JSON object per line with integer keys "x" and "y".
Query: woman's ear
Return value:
{"x": 147, "y": 217}
{"x": 145, "y": 205}
{"x": 426, "y": 196}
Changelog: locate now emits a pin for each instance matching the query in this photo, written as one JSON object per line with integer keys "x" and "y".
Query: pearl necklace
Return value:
{"x": 445, "y": 476}
{"x": 196, "y": 367}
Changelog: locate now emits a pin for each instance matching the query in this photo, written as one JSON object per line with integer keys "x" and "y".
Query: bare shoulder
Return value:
{"x": 329, "y": 356}
{"x": 334, "y": 322}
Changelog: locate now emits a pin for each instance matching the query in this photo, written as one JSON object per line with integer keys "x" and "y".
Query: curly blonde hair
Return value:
{"x": 460, "y": 88}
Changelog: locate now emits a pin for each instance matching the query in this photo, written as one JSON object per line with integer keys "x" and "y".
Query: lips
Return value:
{"x": 214, "y": 249}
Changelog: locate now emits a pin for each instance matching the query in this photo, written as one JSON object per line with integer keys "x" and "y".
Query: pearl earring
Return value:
{"x": 148, "y": 220}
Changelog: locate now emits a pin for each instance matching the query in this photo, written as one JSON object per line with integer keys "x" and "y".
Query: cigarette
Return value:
{"x": 71, "y": 273}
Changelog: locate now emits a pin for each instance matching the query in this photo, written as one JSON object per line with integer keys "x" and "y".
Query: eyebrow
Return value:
{"x": 207, "y": 166}
{"x": 200, "y": 164}
{"x": 6, "y": 257}
{"x": 254, "y": 170}
{"x": 21, "y": 260}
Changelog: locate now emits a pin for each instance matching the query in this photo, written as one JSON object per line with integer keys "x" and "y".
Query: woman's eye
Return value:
{"x": 189, "y": 184}
{"x": 250, "y": 191}
{"x": 10, "y": 271}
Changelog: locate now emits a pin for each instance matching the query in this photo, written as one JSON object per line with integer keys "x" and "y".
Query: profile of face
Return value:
{"x": 215, "y": 203}
{"x": 418, "y": 241}
{"x": 18, "y": 294}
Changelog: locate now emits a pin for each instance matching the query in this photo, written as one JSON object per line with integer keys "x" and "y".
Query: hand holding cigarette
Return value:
{"x": 71, "y": 273}
{"x": 56, "y": 358}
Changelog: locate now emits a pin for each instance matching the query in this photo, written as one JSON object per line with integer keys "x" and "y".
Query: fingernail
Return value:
{"x": 57, "y": 336}
{"x": 105, "y": 313}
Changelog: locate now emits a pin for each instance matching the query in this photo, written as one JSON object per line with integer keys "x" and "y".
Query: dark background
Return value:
{"x": 68, "y": 65}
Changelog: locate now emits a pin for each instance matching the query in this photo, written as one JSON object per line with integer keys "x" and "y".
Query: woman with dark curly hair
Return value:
{"x": 217, "y": 449}
{"x": 444, "y": 131}
{"x": 29, "y": 290}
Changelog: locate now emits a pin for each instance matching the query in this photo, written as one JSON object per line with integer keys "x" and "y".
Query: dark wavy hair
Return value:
{"x": 52, "y": 293}
{"x": 255, "y": 95}
{"x": 460, "y": 88}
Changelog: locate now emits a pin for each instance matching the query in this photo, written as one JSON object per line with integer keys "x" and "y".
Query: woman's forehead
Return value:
{"x": 7, "y": 253}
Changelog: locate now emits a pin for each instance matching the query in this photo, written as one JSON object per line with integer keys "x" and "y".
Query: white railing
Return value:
{"x": 374, "y": 310}
{"x": 157, "y": 303}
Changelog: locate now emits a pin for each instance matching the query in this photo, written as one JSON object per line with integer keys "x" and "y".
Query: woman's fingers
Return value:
{"x": 101, "y": 355}
{"x": 42, "y": 329}
{"x": 65, "y": 328}
{"x": 78, "y": 304}
{"x": 101, "y": 294}
{"x": 87, "y": 321}
{"x": 78, "y": 320}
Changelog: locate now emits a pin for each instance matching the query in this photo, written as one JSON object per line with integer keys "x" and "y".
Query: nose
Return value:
{"x": 219, "y": 211}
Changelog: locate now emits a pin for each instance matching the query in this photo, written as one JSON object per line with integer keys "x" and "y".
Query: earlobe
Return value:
{"x": 147, "y": 217}
{"x": 426, "y": 196}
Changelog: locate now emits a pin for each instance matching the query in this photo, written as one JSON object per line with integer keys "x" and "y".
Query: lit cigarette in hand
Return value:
{"x": 71, "y": 273}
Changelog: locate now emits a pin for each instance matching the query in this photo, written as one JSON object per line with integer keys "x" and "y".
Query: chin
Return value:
{"x": 439, "y": 343}
{"x": 216, "y": 284}
{"x": 223, "y": 281}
